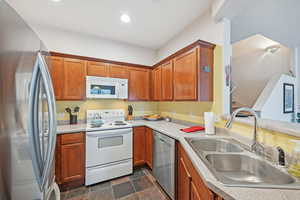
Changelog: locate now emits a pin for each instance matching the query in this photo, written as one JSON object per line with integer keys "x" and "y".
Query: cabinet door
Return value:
{"x": 139, "y": 80}
{"x": 167, "y": 81}
{"x": 97, "y": 69}
{"x": 185, "y": 76}
{"x": 206, "y": 74}
{"x": 184, "y": 181}
{"x": 118, "y": 71}
{"x": 74, "y": 79}
{"x": 156, "y": 84}
{"x": 194, "y": 192}
{"x": 139, "y": 143}
{"x": 149, "y": 147}
{"x": 57, "y": 75}
{"x": 72, "y": 161}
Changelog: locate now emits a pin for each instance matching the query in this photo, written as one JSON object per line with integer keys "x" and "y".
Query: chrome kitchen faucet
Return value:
{"x": 255, "y": 147}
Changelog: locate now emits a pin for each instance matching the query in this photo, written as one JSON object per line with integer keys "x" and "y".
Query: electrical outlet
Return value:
{"x": 217, "y": 118}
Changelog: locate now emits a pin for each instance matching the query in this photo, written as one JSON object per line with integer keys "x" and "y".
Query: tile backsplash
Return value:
{"x": 139, "y": 108}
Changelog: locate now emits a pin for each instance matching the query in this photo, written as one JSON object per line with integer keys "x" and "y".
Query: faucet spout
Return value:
{"x": 255, "y": 145}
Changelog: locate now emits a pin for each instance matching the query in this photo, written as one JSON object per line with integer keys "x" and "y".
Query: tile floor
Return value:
{"x": 139, "y": 186}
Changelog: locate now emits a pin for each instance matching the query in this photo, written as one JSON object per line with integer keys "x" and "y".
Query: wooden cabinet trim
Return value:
{"x": 64, "y": 55}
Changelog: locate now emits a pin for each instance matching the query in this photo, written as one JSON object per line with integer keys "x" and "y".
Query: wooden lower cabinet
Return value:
{"x": 149, "y": 147}
{"x": 142, "y": 146}
{"x": 139, "y": 142}
{"x": 70, "y": 160}
{"x": 189, "y": 183}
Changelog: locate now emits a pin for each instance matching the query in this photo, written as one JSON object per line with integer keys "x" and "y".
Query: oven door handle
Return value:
{"x": 109, "y": 132}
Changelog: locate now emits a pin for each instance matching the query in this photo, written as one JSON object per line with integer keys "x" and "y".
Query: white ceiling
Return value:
{"x": 277, "y": 20}
{"x": 154, "y": 22}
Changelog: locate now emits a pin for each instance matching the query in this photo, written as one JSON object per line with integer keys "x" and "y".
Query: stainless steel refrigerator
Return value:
{"x": 27, "y": 112}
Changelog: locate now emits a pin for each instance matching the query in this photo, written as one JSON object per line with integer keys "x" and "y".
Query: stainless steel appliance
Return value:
{"x": 108, "y": 146}
{"x": 106, "y": 88}
{"x": 164, "y": 162}
{"x": 27, "y": 105}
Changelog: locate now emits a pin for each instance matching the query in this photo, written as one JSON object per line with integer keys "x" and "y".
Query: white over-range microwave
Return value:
{"x": 106, "y": 88}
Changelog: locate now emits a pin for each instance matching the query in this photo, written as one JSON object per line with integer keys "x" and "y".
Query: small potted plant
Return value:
{"x": 73, "y": 115}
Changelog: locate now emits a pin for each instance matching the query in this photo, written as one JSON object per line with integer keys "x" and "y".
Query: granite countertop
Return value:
{"x": 228, "y": 193}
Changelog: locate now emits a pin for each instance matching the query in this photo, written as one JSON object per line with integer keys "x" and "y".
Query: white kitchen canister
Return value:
{"x": 209, "y": 121}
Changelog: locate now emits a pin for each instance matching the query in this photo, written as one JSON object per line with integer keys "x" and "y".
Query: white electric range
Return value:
{"x": 108, "y": 146}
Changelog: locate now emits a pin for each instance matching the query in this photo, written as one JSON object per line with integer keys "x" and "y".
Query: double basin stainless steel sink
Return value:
{"x": 234, "y": 166}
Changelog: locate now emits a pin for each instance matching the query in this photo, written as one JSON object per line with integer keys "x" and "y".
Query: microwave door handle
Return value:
{"x": 52, "y": 118}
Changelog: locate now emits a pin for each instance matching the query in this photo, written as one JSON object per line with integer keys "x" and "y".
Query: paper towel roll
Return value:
{"x": 209, "y": 121}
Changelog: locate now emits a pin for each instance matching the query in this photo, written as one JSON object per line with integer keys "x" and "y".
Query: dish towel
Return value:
{"x": 192, "y": 129}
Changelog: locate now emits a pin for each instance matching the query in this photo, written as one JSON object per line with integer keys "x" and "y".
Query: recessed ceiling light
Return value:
{"x": 56, "y": 0}
{"x": 125, "y": 18}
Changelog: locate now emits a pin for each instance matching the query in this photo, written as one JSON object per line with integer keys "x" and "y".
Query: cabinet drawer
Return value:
{"x": 72, "y": 138}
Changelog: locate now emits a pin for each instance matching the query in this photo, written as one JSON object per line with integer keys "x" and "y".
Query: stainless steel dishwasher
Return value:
{"x": 164, "y": 162}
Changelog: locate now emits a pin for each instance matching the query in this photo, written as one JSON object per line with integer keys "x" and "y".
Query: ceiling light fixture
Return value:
{"x": 56, "y": 0}
{"x": 125, "y": 18}
{"x": 273, "y": 49}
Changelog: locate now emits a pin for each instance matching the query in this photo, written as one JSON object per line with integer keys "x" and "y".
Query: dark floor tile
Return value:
{"x": 151, "y": 194}
{"x": 63, "y": 195}
{"x": 103, "y": 194}
{"x": 100, "y": 186}
{"x": 142, "y": 183}
{"x": 123, "y": 189}
{"x": 79, "y": 193}
{"x": 136, "y": 174}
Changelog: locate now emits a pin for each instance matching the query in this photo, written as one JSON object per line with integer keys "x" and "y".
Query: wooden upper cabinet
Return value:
{"x": 118, "y": 71}
{"x": 139, "y": 81}
{"x": 57, "y": 75}
{"x": 74, "y": 79}
{"x": 185, "y": 75}
{"x": 156, "y": 83}
{"x": 97, "y": 69}
{"x": 167, "y": 81}
{"x": 206, "y": 74}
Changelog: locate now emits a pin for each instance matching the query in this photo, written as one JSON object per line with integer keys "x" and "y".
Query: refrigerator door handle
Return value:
{"x": 52, "y": 118}
{"x": 32, "y": 127}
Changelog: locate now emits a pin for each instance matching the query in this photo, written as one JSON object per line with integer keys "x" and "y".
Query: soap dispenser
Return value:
{"x": 294, "y": 166}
